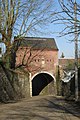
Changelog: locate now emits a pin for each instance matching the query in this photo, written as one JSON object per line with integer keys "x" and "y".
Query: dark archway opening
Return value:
{"x": 39, "y": 82}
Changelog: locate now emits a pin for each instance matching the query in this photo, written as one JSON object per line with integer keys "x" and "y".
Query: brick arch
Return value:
{"x": 42, "y": 82}
{"x": 43, "y": 72}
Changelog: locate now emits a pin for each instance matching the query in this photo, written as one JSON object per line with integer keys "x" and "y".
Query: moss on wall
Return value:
{"x": 58, "y": 81}
{"x": 11, "y": 88}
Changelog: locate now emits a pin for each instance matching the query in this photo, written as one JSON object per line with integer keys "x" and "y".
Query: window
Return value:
{"x": 50, "y": 60}
{"x": 38, "y": 60}
{"x": 35, "y": 60}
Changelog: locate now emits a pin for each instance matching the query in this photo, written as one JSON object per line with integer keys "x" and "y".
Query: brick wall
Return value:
{"x": 37, "y": 60}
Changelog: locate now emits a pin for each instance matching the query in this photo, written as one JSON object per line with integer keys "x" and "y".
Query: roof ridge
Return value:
{"x": 39, "y": 43}
{"x": 38, "y": 37}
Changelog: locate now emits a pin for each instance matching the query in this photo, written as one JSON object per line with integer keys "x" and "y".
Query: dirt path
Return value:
{"x": 40, "y": 108}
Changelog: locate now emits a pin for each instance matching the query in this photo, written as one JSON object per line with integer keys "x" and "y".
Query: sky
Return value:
{"x": 64, "y": 45}
{"x": 3, "y": 48}
{"x": 62, "y": 42}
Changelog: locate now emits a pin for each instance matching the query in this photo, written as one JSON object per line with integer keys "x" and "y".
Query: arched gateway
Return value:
{"x": 42, "y": 83}
{"x": 37, "y": 55}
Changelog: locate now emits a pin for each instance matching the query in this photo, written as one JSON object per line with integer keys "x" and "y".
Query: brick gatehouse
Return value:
{"x": 38, "y": 56}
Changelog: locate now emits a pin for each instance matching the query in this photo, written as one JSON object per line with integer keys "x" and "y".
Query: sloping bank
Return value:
{"x": 13, "y": 85}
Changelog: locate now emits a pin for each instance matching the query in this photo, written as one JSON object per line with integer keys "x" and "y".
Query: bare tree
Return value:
{"x": 65, "y": 16}
{"x": 69, "y": 17}
{"x": 22, "y": 18}
{"x": 30, "y": 59}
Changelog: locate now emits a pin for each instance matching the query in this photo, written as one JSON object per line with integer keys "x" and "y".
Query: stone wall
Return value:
{"x": 11, "y": 85}
{"x": 68, "y": 88}
{"x": 24, "y": 84}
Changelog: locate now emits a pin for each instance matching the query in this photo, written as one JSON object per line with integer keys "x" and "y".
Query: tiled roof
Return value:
{"x": 38, "y": 43}
{"x": 66, "y": 62}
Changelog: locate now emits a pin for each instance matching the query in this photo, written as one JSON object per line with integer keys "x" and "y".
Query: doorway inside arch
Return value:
{"x": 42, "y": 84}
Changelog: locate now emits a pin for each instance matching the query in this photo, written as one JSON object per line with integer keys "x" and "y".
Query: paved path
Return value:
{"x": 40, "y": 108}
